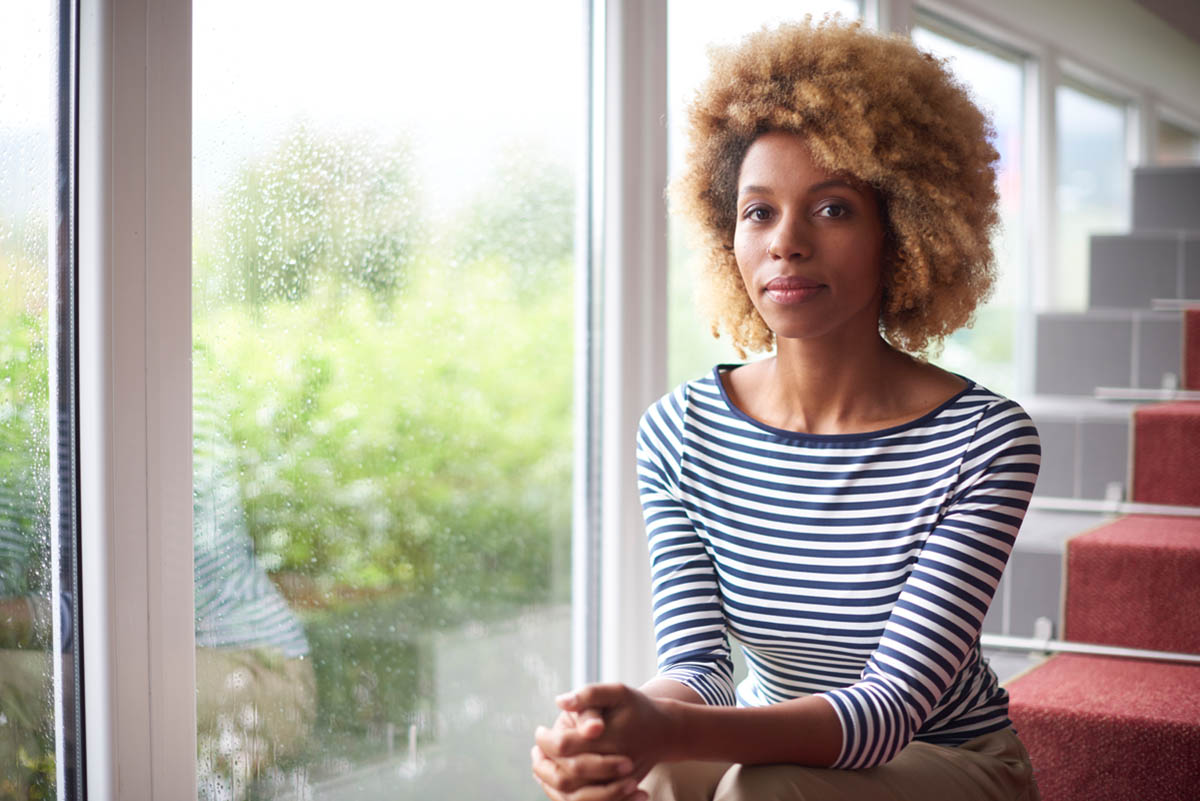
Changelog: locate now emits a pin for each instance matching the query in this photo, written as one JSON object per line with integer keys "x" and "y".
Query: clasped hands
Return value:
{"x": 606, "y": 739}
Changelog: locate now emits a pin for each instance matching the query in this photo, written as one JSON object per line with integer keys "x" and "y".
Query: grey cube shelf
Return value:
{"x": 1079, "y": 351}
{"x": 1166, "y": 198}
{"x": 1129, "y": 271}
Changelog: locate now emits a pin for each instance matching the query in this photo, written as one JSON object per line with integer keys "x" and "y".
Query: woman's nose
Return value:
{"x": 790, "y": 239}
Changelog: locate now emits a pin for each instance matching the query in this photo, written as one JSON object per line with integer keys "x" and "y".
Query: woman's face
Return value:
{"x": 808, "y": 243}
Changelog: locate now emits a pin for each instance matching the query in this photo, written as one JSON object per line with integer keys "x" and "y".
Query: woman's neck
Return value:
{"x": 819, "y": 388}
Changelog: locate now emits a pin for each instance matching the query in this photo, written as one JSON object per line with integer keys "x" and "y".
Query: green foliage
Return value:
{"x": 426, "y": 449}
{"x": 523, "y": 216}
{"x": 24, "y": 430}
{"x": 316, "y": 209}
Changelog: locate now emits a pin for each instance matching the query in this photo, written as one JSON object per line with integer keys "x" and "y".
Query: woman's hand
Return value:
{"x": 634, "y": 725}
{"x": 584, "y": 776}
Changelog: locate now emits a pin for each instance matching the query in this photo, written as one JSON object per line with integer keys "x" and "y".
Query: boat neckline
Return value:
{"x": 857, "y": 435}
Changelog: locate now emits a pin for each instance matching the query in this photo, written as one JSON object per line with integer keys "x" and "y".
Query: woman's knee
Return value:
{"x": 770, "y": 783}
{"x": 683, "y": 781}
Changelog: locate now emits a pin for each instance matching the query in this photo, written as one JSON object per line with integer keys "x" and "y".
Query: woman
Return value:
{"x": 843, "y": 509}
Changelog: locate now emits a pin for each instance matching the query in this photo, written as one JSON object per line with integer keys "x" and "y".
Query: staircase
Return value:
{"x": 1103, "y": 727}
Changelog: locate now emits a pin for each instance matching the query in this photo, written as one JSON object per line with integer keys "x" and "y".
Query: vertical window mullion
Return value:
{"x": 134, "y": 398}
{"x": 635, "y": 301}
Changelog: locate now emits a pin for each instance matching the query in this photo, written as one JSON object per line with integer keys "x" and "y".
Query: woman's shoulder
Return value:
{"x": 701, "y": 388}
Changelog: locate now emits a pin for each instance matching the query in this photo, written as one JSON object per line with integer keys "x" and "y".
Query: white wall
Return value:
{"x": 1117, "y": 38}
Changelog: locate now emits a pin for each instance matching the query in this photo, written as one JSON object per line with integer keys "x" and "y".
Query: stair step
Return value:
{"x": 1166, "y": 454}
{"x": 1103, "y": 727}
{"x": 1191, "y": 348}
{"x": 1133, "y": 583}
{"x": 1079, "y": 351}
{"x": 1166, "y": 198}
{"x": 1129, "y": 271}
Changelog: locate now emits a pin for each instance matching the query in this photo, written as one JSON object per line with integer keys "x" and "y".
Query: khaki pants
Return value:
{"x": 26, "y": 721}
{"x": 994, "y": 767}
{"x": 254, "y": 710}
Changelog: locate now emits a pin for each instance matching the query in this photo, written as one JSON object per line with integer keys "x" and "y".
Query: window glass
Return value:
{"x": 1176, "y": 144}
{"x": 1093, "y": 184}
{"x": 692, "y": 26}
{"x": 986, "y": 352}
{"x": 28, "y": 180}
{"x": 383, "y": 350}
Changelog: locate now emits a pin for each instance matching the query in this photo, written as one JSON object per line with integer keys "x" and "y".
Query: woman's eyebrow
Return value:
{"x": 833, "y": 182}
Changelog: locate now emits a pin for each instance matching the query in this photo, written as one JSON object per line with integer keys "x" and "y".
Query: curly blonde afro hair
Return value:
{"x": 875, "y": 109}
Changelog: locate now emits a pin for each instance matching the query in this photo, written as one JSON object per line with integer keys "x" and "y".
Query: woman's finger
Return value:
{"x": 590, "y": 776}
{"x": 592, "y": 696}
{"x": 574, "y": 772}
{"x": 590, "y": 723}
{"x": 558, "y": 743}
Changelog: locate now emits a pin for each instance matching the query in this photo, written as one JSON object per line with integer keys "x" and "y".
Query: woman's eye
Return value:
{"x": 833, "y": 210}
{"x": 758, "y": 214}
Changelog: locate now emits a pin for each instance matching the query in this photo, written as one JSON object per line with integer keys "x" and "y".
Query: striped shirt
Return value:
{"x": 856, "y": 566}
{"x": 237, "y": 605}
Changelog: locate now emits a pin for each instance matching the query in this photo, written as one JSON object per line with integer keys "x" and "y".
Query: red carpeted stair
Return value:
{"x": 1115, "y": 728}
{"x": 1166, "y": 454}
{"x": 1111, "y": 728}
{"x": 1136, "y": 583}
{"x": 1108, "y": 729}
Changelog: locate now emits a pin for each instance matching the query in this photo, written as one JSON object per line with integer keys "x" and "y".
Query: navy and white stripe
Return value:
{"x": 237, "y": 605}
{"x": 858, "y": 566}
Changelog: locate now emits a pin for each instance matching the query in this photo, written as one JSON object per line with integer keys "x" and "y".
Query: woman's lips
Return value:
{"x": 792, "y": 289}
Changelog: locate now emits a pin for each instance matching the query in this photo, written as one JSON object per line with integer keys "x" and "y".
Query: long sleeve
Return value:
{"x": 934, "y": 627}
{"x": 689, "y": 625}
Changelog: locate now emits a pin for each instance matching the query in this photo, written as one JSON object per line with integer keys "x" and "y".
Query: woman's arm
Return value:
{"x": 688, "y": 618}
{"x": 651, "y": 729}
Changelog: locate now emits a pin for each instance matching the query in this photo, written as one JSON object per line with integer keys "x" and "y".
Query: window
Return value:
{"x": 987, "y": 352}
{"x": 1176, "y": 144}
{"x": 691, "y": 28}
{"x": 383, "y": 241}
{"x": 1093, "y": 183}
{"x": 384, "y": 204}
{"x": 39, "y": 643}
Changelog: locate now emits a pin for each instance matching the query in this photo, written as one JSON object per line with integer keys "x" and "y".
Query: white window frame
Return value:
{"x": 135, "y": 376}
{"x": 972, "y": 33}
{"x": 135, "y": 444}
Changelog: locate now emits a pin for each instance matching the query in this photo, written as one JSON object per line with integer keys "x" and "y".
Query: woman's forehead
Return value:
{"x": 779, "y": 159}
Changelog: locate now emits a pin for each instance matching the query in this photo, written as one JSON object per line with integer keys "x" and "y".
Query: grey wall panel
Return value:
{"x": 1035, "y": 587}
{"x": 1104, "y": 456}
{"x": 1191, "y": 268}
{"x": 1128, "y": 272}
{"x": 1159, "y": 350}
{"x": 1078, "y": 352}
{"x": 1166, "y": 198}
{"x": 1056, "y": 479}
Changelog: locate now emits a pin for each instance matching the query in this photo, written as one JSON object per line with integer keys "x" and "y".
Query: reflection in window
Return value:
{"x": 1093, "y": 184}
{"x": 692, "y": 27}
{"x": 995, "y": 78}
{"x": 383, "y": 358}
{"x": 1176, "y": 144}
{"x": 27, "y": 605}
